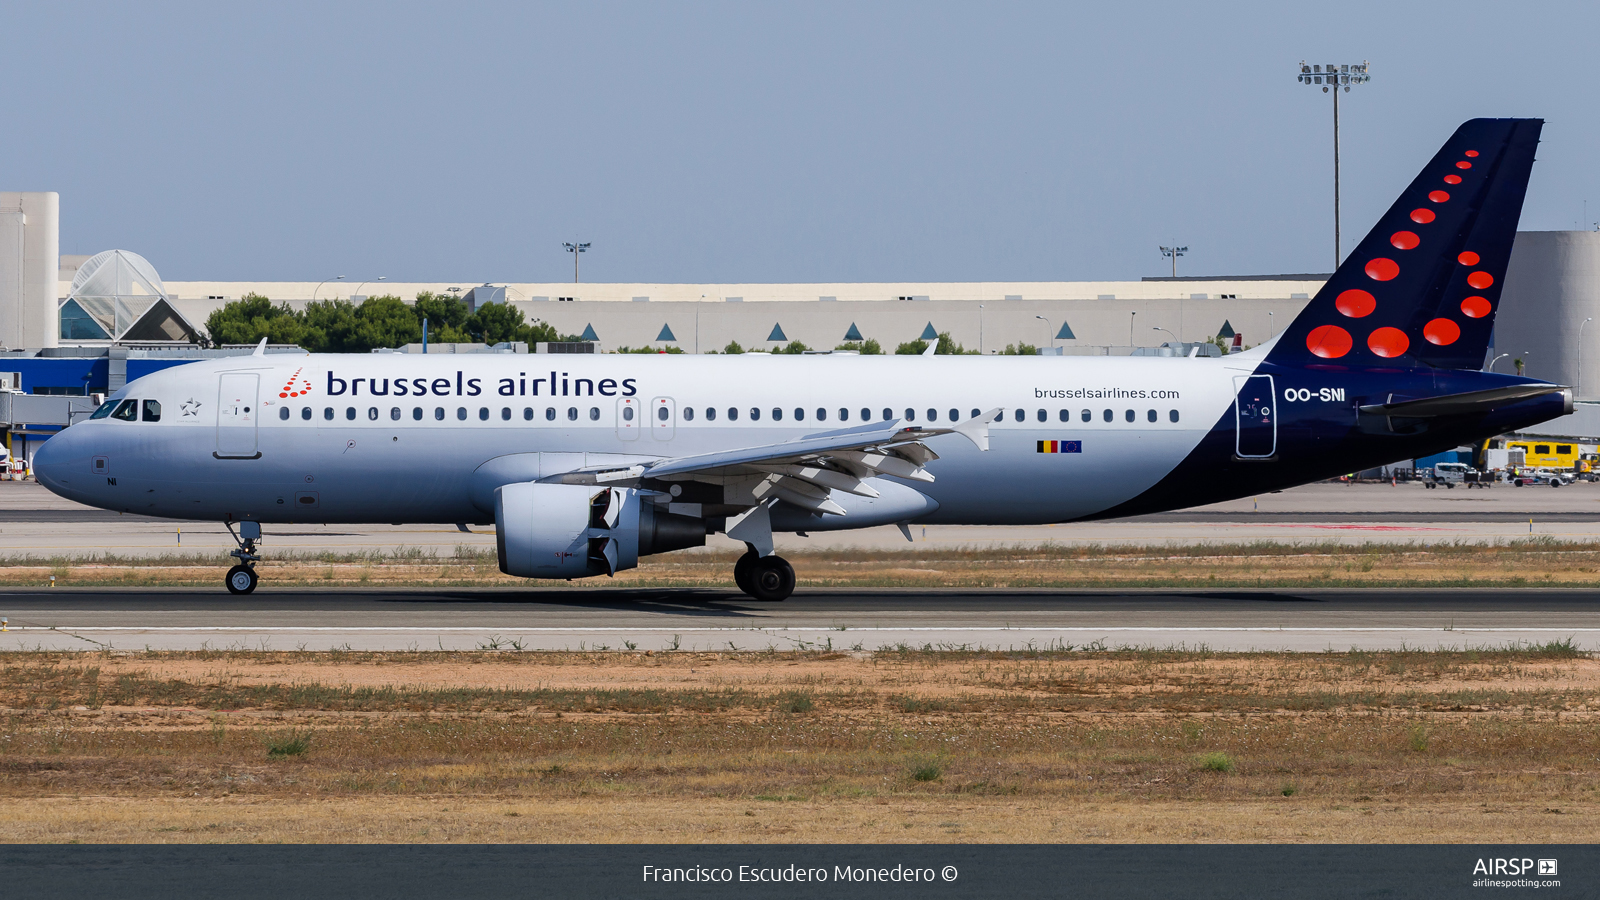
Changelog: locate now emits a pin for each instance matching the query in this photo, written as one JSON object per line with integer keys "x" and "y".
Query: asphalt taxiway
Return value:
{"x": 854, "y": 620}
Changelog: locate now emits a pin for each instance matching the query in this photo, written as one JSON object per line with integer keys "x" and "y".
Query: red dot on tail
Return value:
{"x": 1329, "y": 341}
{"x": 283, "y": 395}
{"x": 1452, "y": 179}
{"x": 1388, "y": 342}
{"x": 1383, "y": 269}
{"x": 1405, "y": 240}
{"x": 1441, "y": 332}
{"x": 1463, "y": 164}
{"x": 1438, "y": 196}
{"x": 1480, "y": 280}
{"x": 1422, "y": 216}
{"x": 1476, "y": 307}
{"x": 1467, "y": 258}
{"x": 1472, "y": 153}
{"x": 1355, "y": 303}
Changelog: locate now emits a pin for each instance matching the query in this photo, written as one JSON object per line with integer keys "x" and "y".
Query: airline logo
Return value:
{"x": 291, "y": 389}
{"x": 1060, "y": 446}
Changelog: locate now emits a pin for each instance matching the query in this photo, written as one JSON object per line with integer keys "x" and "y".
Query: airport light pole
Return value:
{"x": 1272, "y": 325}
{"x": 575, "y": 249}
{"x": 323, "y": 282}
{"x": 1333, "y": 80}
{"x": 1050, "y": 328}
{"x": 1132, "y": 314}
{"x": 1173, "y": 253}
{"x": 367, "y": 282}
{"x": 1174, "y": 337}
{"x": 1490, "y": 366}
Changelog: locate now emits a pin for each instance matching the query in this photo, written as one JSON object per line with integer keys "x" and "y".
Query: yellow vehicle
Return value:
{"x": 1548, "y": 454}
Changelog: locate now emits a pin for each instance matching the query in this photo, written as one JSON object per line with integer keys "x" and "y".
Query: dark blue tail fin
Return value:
{"x": 1423, "y": 286}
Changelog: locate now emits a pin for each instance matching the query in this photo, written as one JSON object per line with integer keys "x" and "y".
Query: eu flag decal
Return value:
{"x": 1060, "y": 446}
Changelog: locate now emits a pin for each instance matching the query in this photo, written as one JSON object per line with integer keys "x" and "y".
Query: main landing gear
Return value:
{"x": 768, "y": 578}
{"x": 241, "y": 579}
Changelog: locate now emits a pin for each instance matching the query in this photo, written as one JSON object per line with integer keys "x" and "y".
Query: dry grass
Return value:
{"x": 896, "y": 746}
{"x": 1540, "y": 561}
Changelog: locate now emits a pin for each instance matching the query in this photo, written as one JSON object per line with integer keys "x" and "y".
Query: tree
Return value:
{"x": 868, "y": 347}
{"x": 793, "y": 347}
{"x": 386, "y": 322}
{"x": 627, "y": 349}
{"x": 911, "y": 348}
{"x": 948, "y": 347}
{"x": 733, "y": 347}
{"x": 253, "y": 317}
{"x": 1020, "y": 349}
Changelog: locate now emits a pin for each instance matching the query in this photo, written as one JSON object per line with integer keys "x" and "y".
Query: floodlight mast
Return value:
{"x": 575, "y": 249}
{"x": 1173, "y": 253}
{"x": 1332, "y": 78}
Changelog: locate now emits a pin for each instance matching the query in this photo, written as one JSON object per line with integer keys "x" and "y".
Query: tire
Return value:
{"x": 241, "y": 580}
{"x": 1555, "y": 482}
{"x": 771, "y": 579}
{"x": 742, "y": 570}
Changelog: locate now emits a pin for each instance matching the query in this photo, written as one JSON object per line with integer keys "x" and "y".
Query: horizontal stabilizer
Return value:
{"x": 1469, "y": 403}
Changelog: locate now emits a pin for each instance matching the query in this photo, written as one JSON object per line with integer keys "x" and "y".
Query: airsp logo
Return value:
{"x": 1499, "y": 866}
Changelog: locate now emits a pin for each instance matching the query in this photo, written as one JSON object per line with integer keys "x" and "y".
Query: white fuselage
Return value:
{"x": 335, "y": 438}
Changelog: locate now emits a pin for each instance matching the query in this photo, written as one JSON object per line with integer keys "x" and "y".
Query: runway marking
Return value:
{"x": 825, "y": 628}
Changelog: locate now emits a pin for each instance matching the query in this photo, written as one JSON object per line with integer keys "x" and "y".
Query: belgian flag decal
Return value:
{"x": 1060, "y": 446}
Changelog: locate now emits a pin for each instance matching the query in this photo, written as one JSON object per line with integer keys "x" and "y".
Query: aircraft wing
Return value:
{"x": 803, "y": 471}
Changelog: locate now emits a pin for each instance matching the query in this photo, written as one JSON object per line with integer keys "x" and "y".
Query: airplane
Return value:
{"x": 584, "y": 464}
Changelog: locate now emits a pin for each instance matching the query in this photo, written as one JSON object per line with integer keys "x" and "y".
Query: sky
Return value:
{"x": 735, "y": 142}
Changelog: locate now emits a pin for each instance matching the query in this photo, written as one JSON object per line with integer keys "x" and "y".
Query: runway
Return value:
{"x": 856, "y": 620}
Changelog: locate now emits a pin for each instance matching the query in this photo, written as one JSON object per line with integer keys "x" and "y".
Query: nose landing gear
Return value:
{"x": 768, "y": 578}
{"x": 241, "y": 579}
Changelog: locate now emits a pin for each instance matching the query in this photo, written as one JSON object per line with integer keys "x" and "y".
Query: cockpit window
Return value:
{"x": 127, "y": 411}
{"x": 152, "y": 410}
{"x": 105, "y": 409}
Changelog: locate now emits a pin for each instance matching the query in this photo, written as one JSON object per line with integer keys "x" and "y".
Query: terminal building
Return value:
{"x": 81, "y": 326}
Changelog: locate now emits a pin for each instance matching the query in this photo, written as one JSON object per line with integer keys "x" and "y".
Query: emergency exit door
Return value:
{"x": 237, "y": 414}
{"x": 1255, "y": 416}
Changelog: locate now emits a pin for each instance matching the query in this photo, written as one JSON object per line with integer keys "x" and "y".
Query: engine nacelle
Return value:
{"x": 578, "y": 530}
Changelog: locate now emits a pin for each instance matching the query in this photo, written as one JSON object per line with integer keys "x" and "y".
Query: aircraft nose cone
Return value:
{"x": 50, "y": 460}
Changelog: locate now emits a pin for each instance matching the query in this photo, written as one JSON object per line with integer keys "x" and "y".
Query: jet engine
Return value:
{"x": 577, "y": 530}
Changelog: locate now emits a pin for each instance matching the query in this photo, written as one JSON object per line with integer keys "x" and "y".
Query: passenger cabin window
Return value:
{"x": 327, "y": 414}
{"x": 594, "y": 413}
{"x": 1172, "y": 415}
{"x": 572, "y": 414}
{"x": 822, "y": 414}
{"x": 733, "y": 414}
{"x": 505, "y": 413}
{"x": 350, "y": 413}
{"x": 711, "y": 414}
{"x": 1043, "y": 416}
{"x": 661, "y": 413}
{"x": 688, "y": 413}
{"x": 755, "y": 414}
{"x": 627, "y": 414}
{"x": 955, "y": 415}
{"x": 438, "y": 414}
{"x": 911, "y": 415}
{"x": 1108, "y": 415}
{"x": 483, "y": 414}
{"x": 1066, "y": 415}
{"x": 1020, "y": 415}
{"x": 416, "y": 414}
{"x": 152, "y": 413}
{"x": 394, "y": 413}
{"x": 777, "y": 414}
{"x": 887, "y": 414}
{"x": 933, "y": 415}
{"x": 305, "y": 413}
{"x": 976, "y": 413}
{"x": 799, "y": 414}
{"x": 1087, "y": 415}
{"x": 549, "y": 413}
{"x": 372, "y": 413}
{"x": 461, "y": 414}
{"x": 527, "y": 414}
{"x": 1151, "y": 415}
{"x": 1128, "y": 415}
{"x": 128, "y": 411}
{"x": 283, "y": 413}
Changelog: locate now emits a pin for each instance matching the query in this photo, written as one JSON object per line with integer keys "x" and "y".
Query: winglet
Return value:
{"x": 976, "y": 429}
{"x": 931, "y": 347}
{"x": 261, "y": 348}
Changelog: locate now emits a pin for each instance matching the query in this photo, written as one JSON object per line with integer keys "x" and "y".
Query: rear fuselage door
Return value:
{"x": 1256, "y": 416}
{"x": 663, "y": 418}
{"x": 237, "y": 412}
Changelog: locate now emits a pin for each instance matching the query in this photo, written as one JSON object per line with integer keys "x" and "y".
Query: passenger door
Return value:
{"x": 663, "y": 418}
{"x": 237, "y": 412}
{"x": 1255, "y": 414}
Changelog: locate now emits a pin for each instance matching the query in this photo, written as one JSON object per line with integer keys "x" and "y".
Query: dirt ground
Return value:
{"x": 801, "y": 747}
